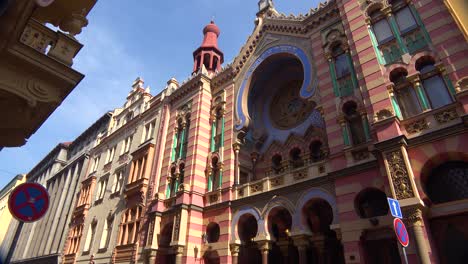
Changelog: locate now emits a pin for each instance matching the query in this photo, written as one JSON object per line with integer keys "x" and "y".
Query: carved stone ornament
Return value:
{"x": 417, "y": 126}
{"x": 299, "y": 175}
{"x": 383, "y": 114}
{"x": 399, "y": 174}
{"x": 414, "y": 216}
{"x": 446, "y": 116}
{"x": 176, "y": 227}
{"x": 361, "y": 155}
{"x": 234, "y": 249}
{"x": 258, "y": 187}
{"x": 277, "y": 181}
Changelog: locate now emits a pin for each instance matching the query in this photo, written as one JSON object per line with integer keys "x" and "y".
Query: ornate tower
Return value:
{"x": 208, "y": 54}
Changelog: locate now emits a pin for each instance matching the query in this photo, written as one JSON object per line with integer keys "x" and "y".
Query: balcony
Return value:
{"x": 286, "y": 176}
{"x": 432, "y": 120}
{"x": 36, "y": 63}
{"x": 69, "y": 258}
{"x": 124, "y": 253}
{"x": 136, "y": 189}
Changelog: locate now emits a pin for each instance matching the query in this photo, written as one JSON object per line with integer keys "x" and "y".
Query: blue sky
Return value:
{"x": 127, "y": 39}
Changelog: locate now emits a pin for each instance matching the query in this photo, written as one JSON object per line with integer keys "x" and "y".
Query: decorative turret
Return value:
{"x": 208, "y": 54}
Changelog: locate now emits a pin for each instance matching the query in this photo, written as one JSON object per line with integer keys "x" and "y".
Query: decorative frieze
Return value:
{"x": 446, "y": 116}
{"x": 299, "y": 175}
{"x": 399, "y": 175}
{"x": 257, "y": 187}
{"x": 277, "y": 181}
{"x": 417, "y": 126}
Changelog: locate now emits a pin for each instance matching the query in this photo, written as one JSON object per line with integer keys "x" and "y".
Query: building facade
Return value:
{"x": 36, "y": 72}
{"x": 110, "y": 204}
{"x": 288, "y": 153}
{"x": 60, "y": 172}
{"x": 6, "y": 218}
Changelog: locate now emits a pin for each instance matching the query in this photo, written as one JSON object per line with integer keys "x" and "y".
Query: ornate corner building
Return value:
{"x": 287, "y": 154}
{"x": 35, "y": 69}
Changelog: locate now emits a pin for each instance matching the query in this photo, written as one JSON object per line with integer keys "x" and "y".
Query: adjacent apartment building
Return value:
{"x": 288, "y": 153}
{"x": 60, "y": 172}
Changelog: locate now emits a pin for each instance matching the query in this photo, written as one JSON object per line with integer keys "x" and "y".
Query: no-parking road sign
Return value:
{"x": 401, "y": 232}
{"x": 28, "y": 202}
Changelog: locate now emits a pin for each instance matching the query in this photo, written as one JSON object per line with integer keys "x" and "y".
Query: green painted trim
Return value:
{"x": 420, "y": 23}
{"x": 220, "y": 183}
{"x": 174, "y": 146}
{"x": 336, "y": 90}
{"x": 210, "y": 182}
{"x": 365, "y": 124}
{"x": 450, "y": 85}
{"x": 168, "y": 190}
{"x": 380, "y": 59}
{"x": 396, "y": 107}
{"x": 182, "y": 141}
{"x": 176, "y": 185}
{"x": 221, "y": 141}
{"x": 396, "y": 33}
{"x": 353, "y": 72}
{"x": 345, "y": 135}
{"x": 422, "y": 97}
{"x": 213, "y": 133}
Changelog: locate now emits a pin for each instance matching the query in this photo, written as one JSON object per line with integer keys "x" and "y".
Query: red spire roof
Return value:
{"x": 211, "y": 32}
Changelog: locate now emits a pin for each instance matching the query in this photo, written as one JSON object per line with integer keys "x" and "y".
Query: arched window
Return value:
{"x": 219, "y": 129}
{"x": 433, "y": 84}
{"x": 448, "y": 182}
{"x": 354, "y": 121}
{"x": 295, "y": 158}
{"x": 206, "y": 60}
{"x": 212, "y": 232}
{"x": 181, "y": 173}
{"x": 371, "y": 203}
{"x": 316, "y": 153}
{"x": 215, "y": 63}
{"x": 381, "y": 27}
{"x": 342, "y": 70}
{"x": 405, "y": 94}
{"x": 215, "y": 173}
{"x": 276, "y": 163}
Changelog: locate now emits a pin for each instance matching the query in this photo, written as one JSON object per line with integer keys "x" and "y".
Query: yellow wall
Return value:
{"x": 459, "y": 10}
{"x": 5, "y": 215}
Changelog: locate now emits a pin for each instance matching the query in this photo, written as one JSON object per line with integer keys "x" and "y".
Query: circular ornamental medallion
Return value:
{"x": 288, "y": 109}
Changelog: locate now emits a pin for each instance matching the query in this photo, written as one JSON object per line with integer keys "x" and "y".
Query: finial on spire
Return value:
{"x": 208, "y": 54}
{"x": 266, "y": 7}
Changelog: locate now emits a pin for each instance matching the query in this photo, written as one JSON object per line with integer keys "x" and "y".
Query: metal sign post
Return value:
{"x": 398, "y": 225}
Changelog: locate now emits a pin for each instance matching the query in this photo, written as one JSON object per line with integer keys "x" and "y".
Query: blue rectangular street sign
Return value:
{"x": 394, "y": 208}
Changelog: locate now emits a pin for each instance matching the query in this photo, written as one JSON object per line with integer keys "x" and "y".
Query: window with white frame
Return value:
{"x": 106, "y": 233}
{"x": 148, "y": 131}
{"x": 101, "y": 191}
{"x": 95, "y": 163}
{"x": 110, "y": 154}
{"x": 117, "y": 182}
{"x": 90, "y": 236}
{"x": 126, "y": 145}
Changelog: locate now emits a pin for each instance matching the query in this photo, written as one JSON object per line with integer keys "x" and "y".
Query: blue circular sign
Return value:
{"x": 28, "y": 202}
{"x": 401, "y": 232}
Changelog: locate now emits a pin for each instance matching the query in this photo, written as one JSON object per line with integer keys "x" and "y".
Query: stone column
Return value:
{"x": 419, "y": 91}
{"x": 236, "y": 148}
{"x": 319, "y": 243}
{"x": 284, "y": 247}
{"x": 234, "y": 253}
{"x": 302, "y": 242}
{"x": 394, "y": 101}
{"x": 264, "y": 247}
{"x": 179, "y": 253}
{"x": 414, "y": 220}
